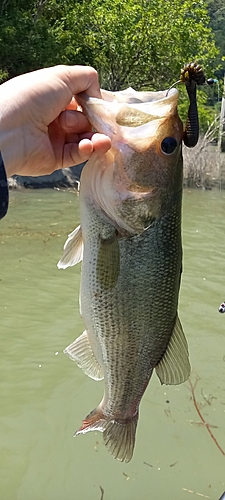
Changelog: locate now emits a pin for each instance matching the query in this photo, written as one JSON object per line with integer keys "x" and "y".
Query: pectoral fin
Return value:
{"x": 73, "y": 250}
{"x": 108, "y": 263}
{"x": 174, "y": 368}
{"x": 81, "y": 351}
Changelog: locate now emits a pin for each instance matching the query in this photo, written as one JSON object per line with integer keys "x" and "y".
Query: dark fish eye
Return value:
{"x": 168, "y": 145}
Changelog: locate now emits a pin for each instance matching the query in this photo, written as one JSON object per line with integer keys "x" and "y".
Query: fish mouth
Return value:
{"x": 133, "y": 118}
{"x": 155, "y": 104}
{"x": 117, "y": 112}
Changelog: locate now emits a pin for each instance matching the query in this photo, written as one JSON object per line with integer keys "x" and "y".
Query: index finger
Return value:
{"x": 80, "y": 79}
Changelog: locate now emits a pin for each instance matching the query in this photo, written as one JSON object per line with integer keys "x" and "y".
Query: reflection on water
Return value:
{"x": 44, "y": 396}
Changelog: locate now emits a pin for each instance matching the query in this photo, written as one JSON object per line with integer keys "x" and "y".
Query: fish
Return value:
{"x": 129, "y": 242}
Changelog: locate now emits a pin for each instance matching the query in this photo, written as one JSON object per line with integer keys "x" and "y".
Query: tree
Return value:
{"x": 30, "y": 35}
{"x": 216, "y": 10}
{"x": 140, "y": 43}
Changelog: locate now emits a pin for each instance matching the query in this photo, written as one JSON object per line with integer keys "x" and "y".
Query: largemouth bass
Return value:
{"x": 130, "y": 242}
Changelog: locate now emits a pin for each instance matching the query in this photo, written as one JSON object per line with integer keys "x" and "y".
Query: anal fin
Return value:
{"x": 81, "y": 351}
{"x": 73, "y": 250}
{"x": 174, "y": 368}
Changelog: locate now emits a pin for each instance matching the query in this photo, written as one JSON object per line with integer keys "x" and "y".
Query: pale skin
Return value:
{"x": 41, "y": 129}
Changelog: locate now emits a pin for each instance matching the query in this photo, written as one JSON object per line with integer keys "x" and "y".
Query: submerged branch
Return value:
{"x": 196, "y": 405}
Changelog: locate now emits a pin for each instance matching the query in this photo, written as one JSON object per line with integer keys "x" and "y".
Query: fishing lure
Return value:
{"x": 222, "y": 308}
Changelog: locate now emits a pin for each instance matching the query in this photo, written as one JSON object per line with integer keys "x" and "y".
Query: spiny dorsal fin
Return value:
{"x": 174, "y": 368}
{"x": 81, "y": 351}
{"x": 73, "y": 250}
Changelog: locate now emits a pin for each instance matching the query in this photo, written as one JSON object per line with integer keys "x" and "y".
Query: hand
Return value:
{"x": 40, "y": 127}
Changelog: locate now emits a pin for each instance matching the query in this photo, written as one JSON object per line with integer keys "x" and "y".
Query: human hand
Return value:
{"x": 40, "y": 127}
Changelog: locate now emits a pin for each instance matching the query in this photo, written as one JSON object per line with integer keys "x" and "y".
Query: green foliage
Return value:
{"x": 216, "y": 10}
{"x": 131, "y": 42}
{"x": 3, "y": 76}
{"x": 28, "y": 40}
{"x": 139, "y": 43}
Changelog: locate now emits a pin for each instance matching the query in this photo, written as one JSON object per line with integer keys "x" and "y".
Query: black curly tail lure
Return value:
{"x": 191, "y": 75}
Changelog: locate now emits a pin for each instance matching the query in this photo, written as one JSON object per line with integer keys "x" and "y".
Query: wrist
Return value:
{"x": 11, "y": 141}
{"x": 6, "y": 146}
{"x": 10, "y": 132}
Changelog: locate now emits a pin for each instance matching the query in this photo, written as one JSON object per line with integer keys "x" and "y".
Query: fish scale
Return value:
{"x": 131, "y": 312}
{"x": 130, "y": 243}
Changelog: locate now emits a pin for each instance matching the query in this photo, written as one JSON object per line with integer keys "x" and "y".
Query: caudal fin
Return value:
{"x": 118, "y": 436}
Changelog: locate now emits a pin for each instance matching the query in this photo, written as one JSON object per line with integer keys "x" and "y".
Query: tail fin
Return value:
{"x": 118, "y": 435}
{"x": 119, "y": 438}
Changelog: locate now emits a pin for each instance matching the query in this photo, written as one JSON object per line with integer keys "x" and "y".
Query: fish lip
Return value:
{"x": 107, "y": 114}
{"x": 136, "y": 98}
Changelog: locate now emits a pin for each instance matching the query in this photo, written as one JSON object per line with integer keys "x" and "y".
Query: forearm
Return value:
{"x": 41, "y": 128}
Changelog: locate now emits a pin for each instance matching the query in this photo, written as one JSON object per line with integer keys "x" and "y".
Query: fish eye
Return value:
{"x": 168, "y": 145}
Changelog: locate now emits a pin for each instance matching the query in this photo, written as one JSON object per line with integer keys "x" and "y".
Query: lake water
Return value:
{"x": 44, "y": 396}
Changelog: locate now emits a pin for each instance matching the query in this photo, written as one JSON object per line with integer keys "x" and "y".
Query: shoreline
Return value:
{"x": 66, "y": 178}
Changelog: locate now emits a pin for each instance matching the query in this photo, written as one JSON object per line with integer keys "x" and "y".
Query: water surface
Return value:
{"x": 44, "y": 396}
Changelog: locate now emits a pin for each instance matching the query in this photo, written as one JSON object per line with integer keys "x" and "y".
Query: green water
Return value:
{"x": 44, "y": 396}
